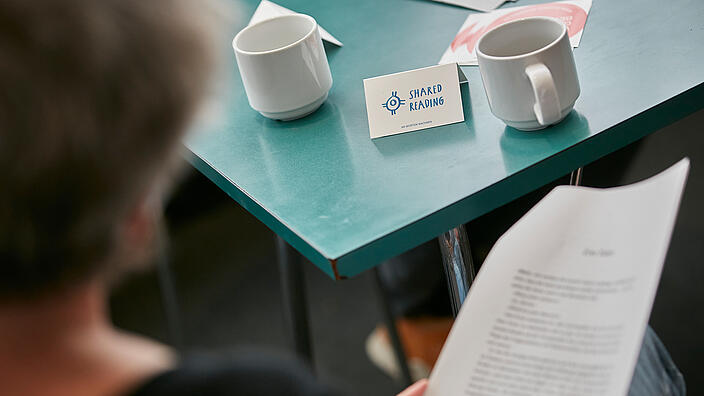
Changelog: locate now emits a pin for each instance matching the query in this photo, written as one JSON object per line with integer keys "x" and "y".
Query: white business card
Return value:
{"x": 414, "y": 100}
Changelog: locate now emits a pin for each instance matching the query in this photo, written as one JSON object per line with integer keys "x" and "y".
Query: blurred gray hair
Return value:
{"x": 94, "y": 97}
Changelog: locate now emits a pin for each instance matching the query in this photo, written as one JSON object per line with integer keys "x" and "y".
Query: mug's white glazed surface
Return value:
{"x": 508, "y": 51}
{"x": 283, "y": 66}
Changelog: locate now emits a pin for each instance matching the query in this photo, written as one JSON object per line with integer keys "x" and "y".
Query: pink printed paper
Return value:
{"x": 573, "y": 13}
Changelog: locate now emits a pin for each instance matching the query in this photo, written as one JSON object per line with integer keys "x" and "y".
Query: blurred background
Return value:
{"x": 224, "y": 265}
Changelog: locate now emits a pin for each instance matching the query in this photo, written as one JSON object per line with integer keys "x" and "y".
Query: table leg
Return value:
{"x": 457, "y": 257}
{"x": 294, "y": 299}
{"x": 457, "y": 261}
{"x": 576, "y": 177}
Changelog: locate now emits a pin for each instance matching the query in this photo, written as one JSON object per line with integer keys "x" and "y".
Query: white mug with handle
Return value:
{"x": 528, "y": 72}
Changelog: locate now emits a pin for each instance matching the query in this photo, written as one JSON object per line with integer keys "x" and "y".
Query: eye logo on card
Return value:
{"x": 393, "y": 103}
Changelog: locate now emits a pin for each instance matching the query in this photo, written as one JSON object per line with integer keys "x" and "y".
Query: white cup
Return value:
{"x": 283, "y": 66}
{"x": 528, "y": 72}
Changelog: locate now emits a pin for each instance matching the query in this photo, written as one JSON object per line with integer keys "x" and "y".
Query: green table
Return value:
{"x": 347, "y": 203}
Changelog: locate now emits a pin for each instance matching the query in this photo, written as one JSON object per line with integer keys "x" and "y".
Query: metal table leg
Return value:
{"x": 294, "y": 300}
{"x": 457, "y": 257}
{"x": 457, "y": 261}
{"x": 576, "y": 177}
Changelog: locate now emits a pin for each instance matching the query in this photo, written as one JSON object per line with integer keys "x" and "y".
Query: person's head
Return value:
{"x": 94, "y": 96}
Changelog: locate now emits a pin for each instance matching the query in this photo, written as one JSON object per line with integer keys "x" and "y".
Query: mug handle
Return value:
{"x": 547, "y": 104}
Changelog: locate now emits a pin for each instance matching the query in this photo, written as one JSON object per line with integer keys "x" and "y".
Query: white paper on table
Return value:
{"x": 479, "y": 5}
{"x": 268, "y": 10}
{"x": 561, "y": 303}
{"x": 573, "y": 13}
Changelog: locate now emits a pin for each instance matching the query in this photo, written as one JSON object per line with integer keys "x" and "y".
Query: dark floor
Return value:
{"x": 225, "y": 271}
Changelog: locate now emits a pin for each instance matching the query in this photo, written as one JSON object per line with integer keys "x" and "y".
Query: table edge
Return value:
{"x": 468, "y": 208}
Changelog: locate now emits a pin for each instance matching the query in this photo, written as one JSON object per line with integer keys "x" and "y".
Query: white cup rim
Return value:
{"x": 270, "y": 20}
{"x": 527, "y": 54}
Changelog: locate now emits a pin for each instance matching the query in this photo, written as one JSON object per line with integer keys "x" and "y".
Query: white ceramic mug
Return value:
{"x": 283, "y": 66}
{"x": 528, "y": 72}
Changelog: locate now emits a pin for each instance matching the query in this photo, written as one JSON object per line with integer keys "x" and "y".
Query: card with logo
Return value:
{"x": 413, "y": 100}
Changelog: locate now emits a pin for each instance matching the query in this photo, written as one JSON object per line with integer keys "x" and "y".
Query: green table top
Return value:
{"x": 347, "y": 202}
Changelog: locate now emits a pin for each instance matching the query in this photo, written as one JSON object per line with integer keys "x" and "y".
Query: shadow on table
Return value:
{"x": 521, "y": 149}
{"x": 428, "y": 139}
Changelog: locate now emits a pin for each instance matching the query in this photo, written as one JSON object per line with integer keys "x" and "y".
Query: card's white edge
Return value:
{"x": 366, "y": 109}
{"x": 330, "y": 39}
{"x": 421, "y": 129}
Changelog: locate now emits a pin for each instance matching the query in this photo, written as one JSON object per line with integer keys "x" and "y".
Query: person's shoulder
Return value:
{"x": 246, "y": 373}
